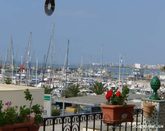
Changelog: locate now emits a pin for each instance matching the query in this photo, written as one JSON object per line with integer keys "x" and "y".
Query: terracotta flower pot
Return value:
{"x": 116, "y": 114}
{"x": 148, "y": 109}
{"x": 26, "y": 126}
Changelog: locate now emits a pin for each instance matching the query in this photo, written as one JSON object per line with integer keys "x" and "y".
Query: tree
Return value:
{"x": 162, "y": 68}
{"x": 71, "y": 91}
{"x": 8, "y": 80}
{"x": 47, "y": 89}
{"x": 98, "y": 88}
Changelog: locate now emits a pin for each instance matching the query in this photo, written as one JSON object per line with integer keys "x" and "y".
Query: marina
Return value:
{"x": 58, "y": 79}
{"x": 86, "y": 65}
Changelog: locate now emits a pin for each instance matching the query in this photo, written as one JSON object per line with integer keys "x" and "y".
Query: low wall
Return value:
{"x": 15, "y": 94}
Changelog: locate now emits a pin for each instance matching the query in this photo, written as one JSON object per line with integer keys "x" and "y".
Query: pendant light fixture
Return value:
{"x": 49, "y": 7}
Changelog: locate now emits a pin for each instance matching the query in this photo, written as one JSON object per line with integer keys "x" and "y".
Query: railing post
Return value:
{"x": 79, "y": 122}
{"x": 101, "y": 123}
{"x": 53, "y": 124}
{"x": 137, "y": 115}
{"x": 126, "y": 126}
{"x": 71, "y": 123}
{"x": 62, "y": 123}
{"x": 87, "y": 123}
{"x": 113, "y": 127}
{"x": 142, "y": 118}
{"x": 94, "y": 122}
{"x": 44, "y": 124}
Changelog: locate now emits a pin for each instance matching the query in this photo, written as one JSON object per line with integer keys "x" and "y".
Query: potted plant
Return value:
{"x": 23, "y": 118}
{"x": 116, "y": 110}
{"x": 148, "y": 109}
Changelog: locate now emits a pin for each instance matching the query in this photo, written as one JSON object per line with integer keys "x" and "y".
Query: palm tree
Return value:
{"x": 47, "y": 89}
{"x": 72, "y": 91}
{"x": 98, "y": 88}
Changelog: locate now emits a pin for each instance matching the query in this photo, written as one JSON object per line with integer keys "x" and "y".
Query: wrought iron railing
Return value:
{"x": 92, "y": 121}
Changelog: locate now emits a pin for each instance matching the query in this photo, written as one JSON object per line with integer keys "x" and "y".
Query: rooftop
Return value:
{"x": 97, "y": 99}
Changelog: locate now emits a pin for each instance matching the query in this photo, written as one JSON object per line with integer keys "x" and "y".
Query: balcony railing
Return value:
{"x": 90, "y": 121}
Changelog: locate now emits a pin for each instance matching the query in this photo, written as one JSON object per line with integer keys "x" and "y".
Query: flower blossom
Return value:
{"x": 118, "y": 93}
{"x": 8, "y": 104}
{"x": 109, "y": 94}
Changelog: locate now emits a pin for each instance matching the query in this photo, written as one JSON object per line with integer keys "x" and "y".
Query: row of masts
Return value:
{"x": 10, "y": 67}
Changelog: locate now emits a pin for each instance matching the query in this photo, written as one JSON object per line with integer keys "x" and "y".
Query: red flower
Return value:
{"x": 109, "y": 94}
{"x": 118, "y": 93}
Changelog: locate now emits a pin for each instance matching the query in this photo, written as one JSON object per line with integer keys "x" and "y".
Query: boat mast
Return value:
{"x": 27, "y": 58}
{"x": 12, "y": 58}
{"x": 9, "y": 60}
{"x": 101, "y": 61}
{"x": 50, "y": 53}
{"x": 36, "y": 71}
{"x": 65, "y": 70}
{"x": 120, "y": 63}
{"x": 119, "y": 68}
{"x": 66, "y": 63}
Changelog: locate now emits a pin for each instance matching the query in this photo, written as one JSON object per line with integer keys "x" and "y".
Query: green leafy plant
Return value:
{"x": 12, "y": 114}
{"x": 71, "y": 91}
{"x": 115, "y": 97}
{"x": 98, "y": 88}
{"x": 47, "y": 89}
{"x": 55, "y": 112}
{"x": 8, "y": 80}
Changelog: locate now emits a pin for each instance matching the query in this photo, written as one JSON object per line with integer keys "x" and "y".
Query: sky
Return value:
{"x": 97, "y": 30}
